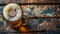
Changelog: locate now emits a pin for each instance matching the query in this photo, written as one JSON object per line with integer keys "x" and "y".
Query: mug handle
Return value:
{"x": 26, "y": 20}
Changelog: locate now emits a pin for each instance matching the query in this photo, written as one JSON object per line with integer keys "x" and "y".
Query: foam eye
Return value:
{"x": 12, "y": 12}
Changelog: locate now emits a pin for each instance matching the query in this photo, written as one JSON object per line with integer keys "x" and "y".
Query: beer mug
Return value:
{"x": 13, "y": 14}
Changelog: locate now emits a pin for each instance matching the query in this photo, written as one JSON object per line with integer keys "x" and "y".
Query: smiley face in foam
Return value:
{"x": 12, "y": 12}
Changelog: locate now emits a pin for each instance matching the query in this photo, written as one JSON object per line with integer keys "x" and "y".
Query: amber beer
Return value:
{"x": 18, "y": 26}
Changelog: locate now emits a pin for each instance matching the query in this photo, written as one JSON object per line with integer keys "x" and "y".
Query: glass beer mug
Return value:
{"x": 13, "y": 15}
